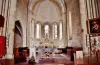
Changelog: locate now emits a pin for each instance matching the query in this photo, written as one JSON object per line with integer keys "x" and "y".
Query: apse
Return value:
{"x": 46, "y": 11}
{"x": 48, "y": 22}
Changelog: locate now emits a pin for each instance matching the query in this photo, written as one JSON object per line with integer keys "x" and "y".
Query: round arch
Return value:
{"x": 62, "y": 7}
{"x": 18, "y": 35}
{"x": 23, "y": 33}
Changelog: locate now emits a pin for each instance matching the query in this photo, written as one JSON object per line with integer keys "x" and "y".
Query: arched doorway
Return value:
{"x": 18, "y": 35}
{"x": 18, "y": 40}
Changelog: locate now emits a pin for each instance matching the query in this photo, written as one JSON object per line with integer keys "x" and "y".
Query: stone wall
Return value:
{"x": 73, "y": 6}
{"x": 21, "y": 15}
{"x": 18, "y": 41}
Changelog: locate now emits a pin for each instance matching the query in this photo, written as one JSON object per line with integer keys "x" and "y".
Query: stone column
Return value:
{"x": 88, "y": 8}
{"x": 9, "y": 53}
{"x": 7, "y": 3}
{"x": 30, "y": 33}
{"x": 3, "y": 8}
{"x": 69, "y": 27}
{"x": 0, "y": 6}
{"x": 28, "y": 28}
{"x": 64, "y": 33}
{"x": 91, "y": 8}
{"x": 94, "y": 9}
{"x": 83, "y": 23}
{"x": 99, "y": 6}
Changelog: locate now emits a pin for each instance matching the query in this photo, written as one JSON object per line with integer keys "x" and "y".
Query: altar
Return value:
{"x": 50, "y": 55}
{"x": 46, "y": 43}
{"x": 47, "y": 49}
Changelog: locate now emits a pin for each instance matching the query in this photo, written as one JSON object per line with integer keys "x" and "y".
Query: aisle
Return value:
{"x": 57, "y": 60}
{"x": 24, "y": 63}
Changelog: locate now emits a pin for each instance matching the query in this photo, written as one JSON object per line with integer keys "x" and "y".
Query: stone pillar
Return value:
{"x": 6, "y": 15}
{"x": 30, "y": 33}
{"x": 31, "y": 29}
{"x": 83, "y": 23}
{"x": 64, "y": 33}
{"x": 88, "y": 8}
{"x": 28, "y": 29}
{"x": 0, "y": 6}
{"x": 99, "y": 6}
{"x": 9, "y": 53}
{"x": 94, "y": 9}
{"x": 69, "y": 27}
{"x": 3, "y": 8}
{"x": 91, "y": 8}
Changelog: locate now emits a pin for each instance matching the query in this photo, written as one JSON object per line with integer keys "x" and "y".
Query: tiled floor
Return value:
{"x": 44, "y": 64}
{"x": 58, "y": 62}
{"x": 47, "y": 61}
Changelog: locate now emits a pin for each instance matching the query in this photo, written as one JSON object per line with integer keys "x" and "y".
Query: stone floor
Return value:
{"x": 55, "y": 60}
{"x": 47, "y": 64}
{"x": 86, "y": 61}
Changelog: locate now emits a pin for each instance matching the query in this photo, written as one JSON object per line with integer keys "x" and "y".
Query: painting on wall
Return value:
{"x": 93, "y": 26}
{"x": 92, "y": 43}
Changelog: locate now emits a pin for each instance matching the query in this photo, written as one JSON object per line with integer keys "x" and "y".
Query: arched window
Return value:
{"x": 38, "y": 30}
{"x": 46, "y": 29}
{"x": 60, "y": 30}
{"x": 55, "y": 33}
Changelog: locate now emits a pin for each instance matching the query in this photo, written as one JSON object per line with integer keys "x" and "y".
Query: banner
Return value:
{"x": 2, "y": 45}
{"x": 2, "y": 21}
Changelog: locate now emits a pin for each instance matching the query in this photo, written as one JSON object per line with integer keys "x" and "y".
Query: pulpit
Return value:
{"x": 2, "y": 45}
{"x": 2, "y": 39}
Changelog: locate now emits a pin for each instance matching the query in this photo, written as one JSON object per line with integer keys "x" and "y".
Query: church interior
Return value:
{"x": 49, "y": 32}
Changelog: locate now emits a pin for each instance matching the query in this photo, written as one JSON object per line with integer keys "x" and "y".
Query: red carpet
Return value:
{"x": 88, "y": 64}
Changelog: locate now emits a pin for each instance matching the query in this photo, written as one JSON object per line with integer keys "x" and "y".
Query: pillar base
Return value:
{"x": 9, "y": 56}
